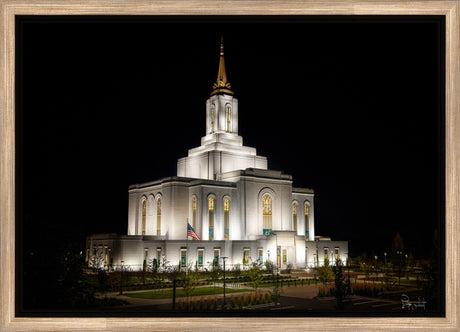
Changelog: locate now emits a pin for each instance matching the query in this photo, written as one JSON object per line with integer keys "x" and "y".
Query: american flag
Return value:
{"x": 191, "y": 232}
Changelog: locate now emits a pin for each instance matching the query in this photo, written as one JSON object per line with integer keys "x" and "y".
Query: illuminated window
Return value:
{"x": 267, "y": 214}
{"x": 284, "y": 256}
{"x": 183, "y": 257}
{"x": 211, "y": 218}
{"x": 158, "y": 255}
{"x": 278, "y": 257}
{"x": 212, "y": 118}
{"x": 307, "y": 223}
{"x": 336, "y": 254}
{"x": 106, "y": 256}
{"x": 261, "y": 255}
{"x": 326, "y": 253}
{"x": 246, "y": 257}
{"x": 159, "y": 216}
{"x": 294, "y": 216}
{"x": 194, "y": 213}
{"x": 144, "y": 216}
{"x": 228, "y": 115}
{"x": 226, "y": 218}
{"x": 200, "y": 257}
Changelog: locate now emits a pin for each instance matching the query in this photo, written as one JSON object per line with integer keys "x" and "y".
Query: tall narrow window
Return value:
{"x": 245, "y": 257}
{"x": 200, "y": 257}
{"x": 159, "y": 256}
{"x": 144, "y": 216}
{"x": 326, "y": 254}
{"x": 284, "y": 256}
{"x": 194, "y": 213}
{"x": 183, "y": 257}
{"x": 336, "y": 254}
{"x": 159, "y": 216}
{"x": 211, "y": 218}
{"x": 294, "y": 217}
{"x": 106, "y": 256}
{"x": 307, "y": 223}
{"x": 261, "y": 255}
{"x": 212, "y": 119}
{"x": 226, "y": 219}
{"x": 228, "y": 116}
{"x": 216, "y": 256}
{"x": 278, "y": 256}
{"x": 267, "y": 214}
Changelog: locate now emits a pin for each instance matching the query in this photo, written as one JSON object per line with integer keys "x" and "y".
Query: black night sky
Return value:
{"x": 350, "y": 107}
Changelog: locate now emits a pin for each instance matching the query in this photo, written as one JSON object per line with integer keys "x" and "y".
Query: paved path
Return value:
{"x": 303, "y": 292}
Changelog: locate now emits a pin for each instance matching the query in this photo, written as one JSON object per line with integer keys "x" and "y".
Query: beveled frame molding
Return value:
{"x": 10, "y": 8}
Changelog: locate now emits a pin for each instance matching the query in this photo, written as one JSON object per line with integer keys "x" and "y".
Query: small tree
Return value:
{"x": 215, "y": 272}
{"x": 277, "y": 291}
{"x": 397, "y": 245}
{"x": 270, "y": 267}
{"x": 152, "y": 266}
{"x": 98, "y": 265}
{"x": 324, "y": 272}
{"x": 342, "y": 284}
{"x": 153, "y": 270}
{"x": 237, "y": 270}
{"x": 190, "y": 282}
{"x": 255, "y": 274}
{"x": 365, "y": 265}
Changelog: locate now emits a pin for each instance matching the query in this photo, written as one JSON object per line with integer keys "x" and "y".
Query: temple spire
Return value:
{"x": 221, "y": 85}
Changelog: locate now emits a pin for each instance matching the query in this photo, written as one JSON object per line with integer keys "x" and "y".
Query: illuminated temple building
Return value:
{"x": 237, "y": 206}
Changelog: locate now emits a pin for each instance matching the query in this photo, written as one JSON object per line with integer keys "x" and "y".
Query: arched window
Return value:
{"x": 212, "y": 118}
{"x": 211, "y": 217}
{"x": 194, "y": 213}
{"x": 144, "y": 215}
{"x": 307, "y": 223}
{"x": 267, "y": 214}
{"x": 228, "y": 117}
{"x": 226, "y": 219}
{"x": 159, "y": 216}
{"x": 294, "y": 216}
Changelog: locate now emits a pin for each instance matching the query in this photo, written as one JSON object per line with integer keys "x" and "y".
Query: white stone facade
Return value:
{"x": 255, "y": 212}
{"x": 222, "y": 149}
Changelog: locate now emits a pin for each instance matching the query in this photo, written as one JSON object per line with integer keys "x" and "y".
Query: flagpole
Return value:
{"x": 186, "y": 254}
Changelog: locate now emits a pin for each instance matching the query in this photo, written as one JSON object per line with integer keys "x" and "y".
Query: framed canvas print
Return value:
{"x": 168, "y": 164}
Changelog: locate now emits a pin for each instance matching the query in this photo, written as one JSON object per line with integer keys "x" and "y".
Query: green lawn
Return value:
{"x": 168, "y": 293}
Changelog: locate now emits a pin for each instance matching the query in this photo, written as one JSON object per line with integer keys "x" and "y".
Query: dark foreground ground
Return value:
{"x": 294, "y": 300}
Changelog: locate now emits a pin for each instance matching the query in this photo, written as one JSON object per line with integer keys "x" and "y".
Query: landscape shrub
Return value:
{"x": 194, "y": 304}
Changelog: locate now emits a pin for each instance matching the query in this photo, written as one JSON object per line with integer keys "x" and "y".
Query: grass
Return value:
{"x": 200, "y": 291}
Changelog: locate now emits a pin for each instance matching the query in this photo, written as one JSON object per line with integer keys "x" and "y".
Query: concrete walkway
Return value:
{"x": 302, "y": 292}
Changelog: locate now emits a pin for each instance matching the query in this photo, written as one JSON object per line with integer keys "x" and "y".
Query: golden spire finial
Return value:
{"x": 221, "y": 85}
